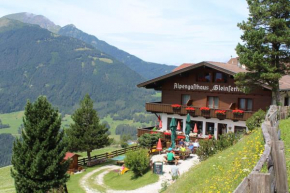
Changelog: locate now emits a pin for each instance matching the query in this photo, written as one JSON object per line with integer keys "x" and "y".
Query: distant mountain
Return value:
{"x": 35, "y": 61}
{"x": 148, "y": 70}
{"x": 35, "y": 19}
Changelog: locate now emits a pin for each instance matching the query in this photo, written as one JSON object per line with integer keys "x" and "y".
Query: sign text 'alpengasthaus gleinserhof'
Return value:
{"x": 206, "y": 88}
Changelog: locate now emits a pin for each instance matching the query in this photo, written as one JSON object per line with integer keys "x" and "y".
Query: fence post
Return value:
{"x": 260, "y": 182}
{"x": 280, "y": 167}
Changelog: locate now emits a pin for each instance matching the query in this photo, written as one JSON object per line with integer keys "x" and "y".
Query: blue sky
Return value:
{"x": 163, "y": 31}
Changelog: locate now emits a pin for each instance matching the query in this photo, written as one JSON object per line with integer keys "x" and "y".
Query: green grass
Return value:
{"x": 157, "y": 94}
{"x": 14, "y": 120}
{"x": 6, "y": 181}
{"x": 127, "y": 182}
{"x": 93, "y": 185}
{"x": 224, "y": 171}
{"x": 285, "y": 136}
{"x": 99, "y": 151}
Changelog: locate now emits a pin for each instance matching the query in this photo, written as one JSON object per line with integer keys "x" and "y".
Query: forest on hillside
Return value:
{"x": 6, "y": 144}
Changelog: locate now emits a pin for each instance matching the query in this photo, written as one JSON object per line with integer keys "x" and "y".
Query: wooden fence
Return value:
{"x": 275, "y": 180}
{"x": 107, "y": 155}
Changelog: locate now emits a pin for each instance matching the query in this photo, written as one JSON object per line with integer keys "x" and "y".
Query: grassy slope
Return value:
{"x": 14, "y": 120}
{"x": 285, "y": 135}
{"x": 127, "y": 182}
{"x": 6, "y": 181}
{"x": 223, "y": 171}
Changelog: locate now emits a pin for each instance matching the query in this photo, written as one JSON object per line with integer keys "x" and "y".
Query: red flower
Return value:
{"x": 175, "y": 105}
{"x": 190, "y": 109}
{"x": 220, "y": 112}
{"x": 153, "y": 132}
{"x": 238, "y": 112}
{"x": 204, "y": 109}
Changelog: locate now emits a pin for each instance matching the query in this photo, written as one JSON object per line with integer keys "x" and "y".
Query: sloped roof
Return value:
{"x": 284, "y": 82}
{"x": 69, "y": 155}
{"x": 223, "y": 67}
{"x": 184, "y": 65}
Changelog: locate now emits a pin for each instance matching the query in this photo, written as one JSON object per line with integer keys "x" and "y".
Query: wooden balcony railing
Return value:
{"x": 166, "y": 108}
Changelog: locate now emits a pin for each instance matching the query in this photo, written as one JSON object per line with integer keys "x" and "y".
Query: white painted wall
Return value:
{"x": 230, "y": 123}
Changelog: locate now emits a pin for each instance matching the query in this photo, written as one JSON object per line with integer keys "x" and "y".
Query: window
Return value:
{"x": 246, "y": 104}
{"x": 180, "y": 120}
{"x": 184, "y": 99}
{"x": 220, "y": 77}
{"x": 213, "y": 102}
{"x": 198, "y": 125}
{"x": 209, "y": 128}
{"x": 286, "y": 101}
{"x": 240, "y": 130}
{"x": 204, "y": 77}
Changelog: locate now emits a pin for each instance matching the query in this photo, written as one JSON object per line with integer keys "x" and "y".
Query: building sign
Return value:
{"x": 206, "y": 88}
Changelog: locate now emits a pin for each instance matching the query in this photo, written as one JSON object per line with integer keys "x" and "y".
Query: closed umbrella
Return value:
{"x": 160, "y": 124}
{"x": 159, "y": 146}
{"x": 195, "y": 129}
{"x": 178, "y": 126}
{"x": 173, "y": 132}
{"x": 187, "y": 128}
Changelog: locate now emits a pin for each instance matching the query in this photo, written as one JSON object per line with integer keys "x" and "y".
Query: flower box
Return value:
{"x": 238, "y": 114}
{"x": 176, "y": 106}
{"x": 167, "y": 133}
{"x": 180, "y": 137}
{"x": 190, "y": 109}
{"x": 220, "y": 114}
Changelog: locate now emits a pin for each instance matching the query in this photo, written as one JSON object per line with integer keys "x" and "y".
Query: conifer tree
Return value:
{"x": 87, "y": 133}
{"x": 37, "y": 158}
{"x": 265, "y": 51}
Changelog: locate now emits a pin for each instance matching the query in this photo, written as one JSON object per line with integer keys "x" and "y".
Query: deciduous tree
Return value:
{"x": 266, "y": 38}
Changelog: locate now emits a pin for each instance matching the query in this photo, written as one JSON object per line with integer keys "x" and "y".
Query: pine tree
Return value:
{"x": 265, "y": 51}
{"x": 38, "y": 155}
{"x": 87, "y": 133}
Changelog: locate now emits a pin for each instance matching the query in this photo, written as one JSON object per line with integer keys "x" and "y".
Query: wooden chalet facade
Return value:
{"x": 206, "y": 84}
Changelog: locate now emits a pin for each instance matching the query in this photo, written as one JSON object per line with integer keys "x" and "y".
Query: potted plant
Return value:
{"x": 176, "y": 107}
{"x": 205, "y": 111}
{"x": 221, "y": 114}
{"x": 190, "y": 110}
{"x": 238, "y": 113}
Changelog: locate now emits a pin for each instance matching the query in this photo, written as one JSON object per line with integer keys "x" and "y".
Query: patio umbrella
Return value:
{"x": 187, "y": 128}
{"x": 159, "y": 145}
{"x": 160, "y": 124}
{"x": 195, "y": 129}
{"x": 173, "y": 132}
{"x": 178, "y": 126}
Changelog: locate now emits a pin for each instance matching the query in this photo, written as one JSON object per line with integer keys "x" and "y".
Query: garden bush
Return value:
{"x": 148, "y": 140}
{"x": 210, "y": 147}
{"x": 137, "y": 161}
{"x": 256, "y": 120}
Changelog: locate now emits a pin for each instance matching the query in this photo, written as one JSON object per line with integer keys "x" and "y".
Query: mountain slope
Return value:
{"x": 36, "y": 62}
{"x": 35, "y": 19}
{"x": 148, "y": 70}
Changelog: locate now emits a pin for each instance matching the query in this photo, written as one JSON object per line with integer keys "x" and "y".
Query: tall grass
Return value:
{"x": 224, "y": 171}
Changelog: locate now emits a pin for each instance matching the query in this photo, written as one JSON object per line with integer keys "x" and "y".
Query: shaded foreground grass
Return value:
{"x": 6, "y": 181}
{"x": 285, "y": 136}
{"x": 224, "y": 171}
{"x": 127, "y": 181}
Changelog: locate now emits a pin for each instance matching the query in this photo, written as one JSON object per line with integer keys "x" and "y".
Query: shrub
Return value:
{"x": 210, "y": 147}
{"x": 256, "y": 120}
{"x": 148, "y": 140}
{"x": 137, "y": 161}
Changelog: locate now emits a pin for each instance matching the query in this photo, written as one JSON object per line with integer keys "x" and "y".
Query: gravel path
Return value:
{"x": 151, "y": 188}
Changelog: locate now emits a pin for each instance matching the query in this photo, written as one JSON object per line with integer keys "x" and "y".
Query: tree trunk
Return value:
{"x": 89, "y": 155}
{"x": 276, "y": 94}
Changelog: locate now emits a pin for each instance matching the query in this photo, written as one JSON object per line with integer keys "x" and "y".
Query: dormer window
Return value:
{"x": 220, "y": 77}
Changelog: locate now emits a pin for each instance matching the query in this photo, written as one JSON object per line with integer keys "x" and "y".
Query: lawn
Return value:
{"x": 99, "y": 151}
{"x": 127, "y": 182}
{"x": 224, "y": 171}
{"x": 14, "y": 120}
{"x": 285, "y": 136}
{"x": 6, "y": 181}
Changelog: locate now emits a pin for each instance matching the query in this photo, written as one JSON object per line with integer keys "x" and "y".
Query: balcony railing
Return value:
{"x": 167, "y": 108}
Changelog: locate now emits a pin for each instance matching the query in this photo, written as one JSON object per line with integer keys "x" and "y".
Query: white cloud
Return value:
{"x": 163, "y": 31}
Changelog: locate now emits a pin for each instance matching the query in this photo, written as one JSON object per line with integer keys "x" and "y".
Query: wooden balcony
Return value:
{"x": 166, "y": 108}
